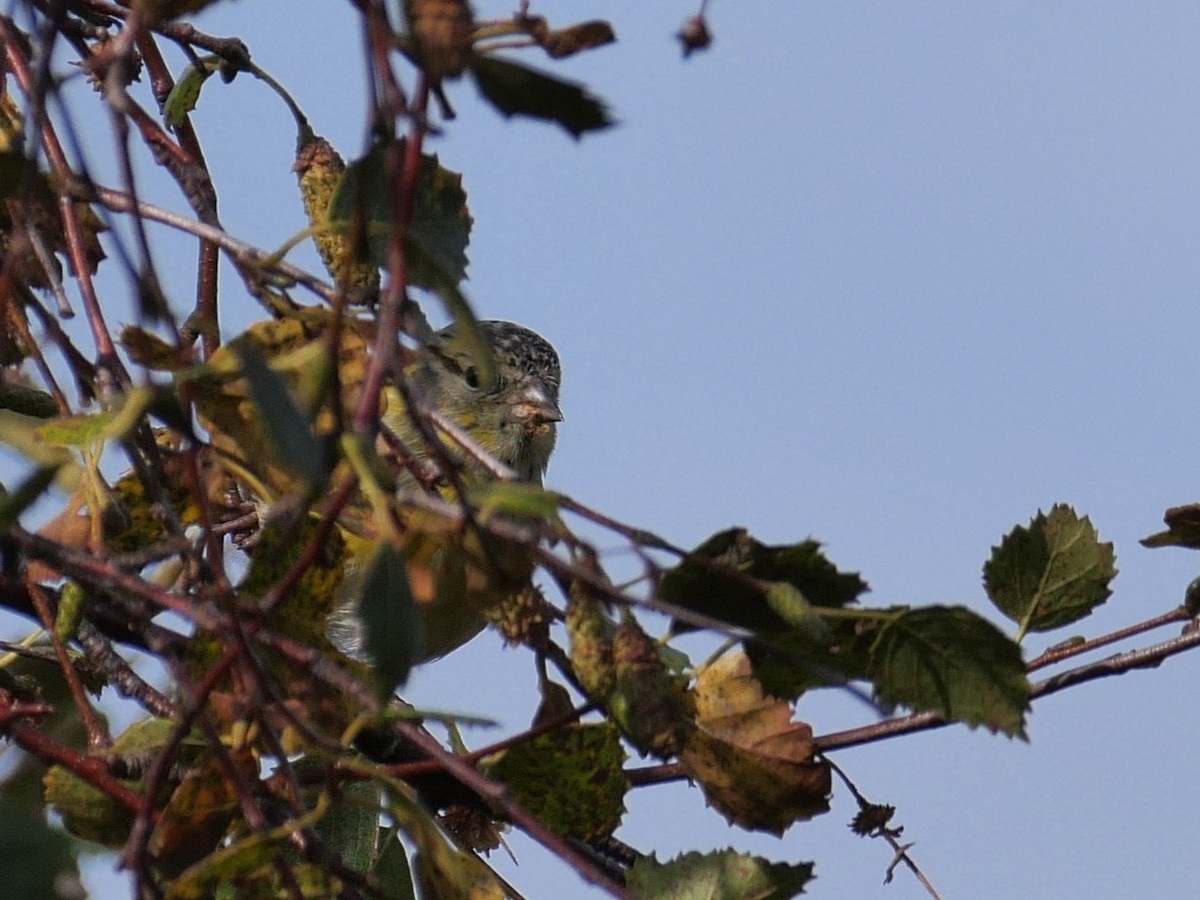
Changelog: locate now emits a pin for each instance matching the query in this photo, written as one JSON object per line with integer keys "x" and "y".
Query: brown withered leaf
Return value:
{"x": 1183, "y": 528}
{"x": 563, "y": 42}
{"x": 647, "y": 703}
{"x": 196, "y": 817}
{"x": 33, "y": 213}
{"x": 472, "y": 828}
{"x": 754, "y": 764}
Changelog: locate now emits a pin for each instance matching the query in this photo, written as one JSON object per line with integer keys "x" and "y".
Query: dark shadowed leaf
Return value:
{"x": 27, "y": 400}
{"x": 391, "y": 868}
{"x": 441, "y": 225}
{"x": 40, "y": 858}
{"x": 726, "y": 589}
{"x": 1051, "y": 573}
{"x": 287, "y": 427}
{"x": 950, "y": 660}
{"x": 563, "y": 42}
{"x": 571, "y": 778}
{"x": 516, "y": 90}
{"x": 1183, "y": 528}
{"x": 148, "y": 349}
{"x": 25, "y": 494}
{"x": 390, "y": 620}
{"x": 791, "y": 663}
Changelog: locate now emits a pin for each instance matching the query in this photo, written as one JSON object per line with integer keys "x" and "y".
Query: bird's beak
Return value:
{"x": 535, "y": 406}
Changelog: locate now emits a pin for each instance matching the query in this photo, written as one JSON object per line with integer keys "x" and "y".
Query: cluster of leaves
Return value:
{"x": 280, "y": 765}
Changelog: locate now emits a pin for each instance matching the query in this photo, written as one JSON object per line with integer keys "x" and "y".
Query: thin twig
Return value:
{"x": 888, "y": 833}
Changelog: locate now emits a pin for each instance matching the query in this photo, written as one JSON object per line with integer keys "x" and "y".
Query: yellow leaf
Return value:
{"x": 754, "y": 764}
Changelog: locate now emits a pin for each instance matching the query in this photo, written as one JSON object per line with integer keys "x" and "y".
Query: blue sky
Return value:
{"x": 894, "y": 276}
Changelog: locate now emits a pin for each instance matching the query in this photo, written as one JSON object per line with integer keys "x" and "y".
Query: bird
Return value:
{"x": 509, "y": 407}
{"x": 514, "y": 417}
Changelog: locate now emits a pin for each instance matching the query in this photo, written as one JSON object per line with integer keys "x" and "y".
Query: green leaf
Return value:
{"x": 27, "y": 400}
{"x": 351, "y": 826}
{"x": 441, "y": 224}
{"x": 26, "y": 435}
{"x": 793, "y": 608}
{"x": 517, "y": 500}
{"x": 186, "y": 93}
{"x": 89, "y": 431}
{"x": 286, "y": 426}
{"x": 571, "y": 779}
{"x": 516, "y": 90}
{"x": 87, "y": 812}
{"x": 722, "y": 875}
{"x": 466, "y": 325}
{"x": 1050, "y": 574}
{"x": 391, "y": 623}
{"x": 391, "y": 868}
{"x": 716, "y": 590}
{"x": 952, "y": 661}
{"x": 72, "y": 604}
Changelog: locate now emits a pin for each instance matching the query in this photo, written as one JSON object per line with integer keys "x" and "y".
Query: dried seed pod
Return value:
{"x": 320, "y": 168}
{"x": 522, "y": 617}
{"x": 591, "y": 643}
{"x": 647, "y": 703}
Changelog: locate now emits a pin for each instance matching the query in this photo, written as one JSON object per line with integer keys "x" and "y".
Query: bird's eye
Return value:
{"x": 471, "y": 377}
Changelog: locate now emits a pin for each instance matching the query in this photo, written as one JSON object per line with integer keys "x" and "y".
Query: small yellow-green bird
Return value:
{"x": 511, "y": 412}
{"x": 512, "y": 418}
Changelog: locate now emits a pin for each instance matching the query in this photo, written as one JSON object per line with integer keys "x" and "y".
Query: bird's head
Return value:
{"x": 511, "y": 411}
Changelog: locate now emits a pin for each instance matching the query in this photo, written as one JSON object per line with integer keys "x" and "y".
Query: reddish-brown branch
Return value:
{"x": 9, "y": 292}
{"x": 240, "y": 252}
{"x": 97, "y": 733}
{"x": 134, "y": 856}
{"x": 1060, "y": 652}
{"x": 403, "y": 172}
{"x": 18, "y": 64}
{"x": 207, "y": 269}
{"x": 91, "y": 570}
{"x": 1119, "y": 664}
{"x": 92, "y": 769}
{"x": 232, "y": 49}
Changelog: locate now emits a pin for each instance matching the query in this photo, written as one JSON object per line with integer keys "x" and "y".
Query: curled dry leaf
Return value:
{"x": 754, "y": 764}
{"x": 694, "y": 35}
{"x": 563, "y": 42}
